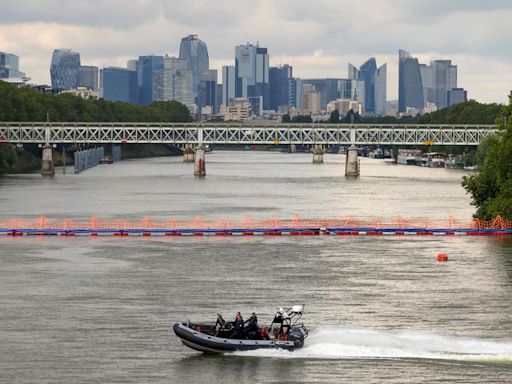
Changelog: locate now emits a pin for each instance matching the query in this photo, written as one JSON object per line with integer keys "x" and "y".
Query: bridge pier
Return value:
{"x": 200, "y": 161}
{"x": 188, "y": 154}
{"x": 47, "y": 168}
{"x": 293, "y": 148}
{"x": 352, "y": 162}
{"x": 318, "y": 155}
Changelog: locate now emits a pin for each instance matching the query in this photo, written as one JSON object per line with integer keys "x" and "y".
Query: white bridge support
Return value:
{"x": 47, "y": 168}
{"x": 352, "y": 159}
{"x": 352, "y": 162}
{"x": 318, "y": 154}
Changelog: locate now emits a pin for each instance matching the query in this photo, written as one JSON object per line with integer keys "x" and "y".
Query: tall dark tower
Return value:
{"x": 410, "y": 85}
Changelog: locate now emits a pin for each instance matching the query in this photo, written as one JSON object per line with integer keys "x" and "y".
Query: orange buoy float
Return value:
{"x": 442, "y": 257}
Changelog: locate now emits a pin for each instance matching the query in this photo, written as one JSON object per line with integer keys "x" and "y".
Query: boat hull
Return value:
{"x": 211, "y": 344}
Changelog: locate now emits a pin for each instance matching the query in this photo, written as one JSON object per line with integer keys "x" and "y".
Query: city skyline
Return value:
{"x": 318, "y": 41}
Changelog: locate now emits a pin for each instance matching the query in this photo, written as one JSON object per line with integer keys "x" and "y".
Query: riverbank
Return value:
{"x": 20, "y": 160}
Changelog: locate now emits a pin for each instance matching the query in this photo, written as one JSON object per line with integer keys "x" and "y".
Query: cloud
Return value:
{"x": 317, "y": 38}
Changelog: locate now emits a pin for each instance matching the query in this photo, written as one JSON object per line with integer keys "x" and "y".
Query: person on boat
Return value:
{"x": 252, "y": 328}
{"x": 238, "y": 327}
{"x": 253, "y": 322}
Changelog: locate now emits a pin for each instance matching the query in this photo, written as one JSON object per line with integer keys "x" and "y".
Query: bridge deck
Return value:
{"x": 243, "y": 133}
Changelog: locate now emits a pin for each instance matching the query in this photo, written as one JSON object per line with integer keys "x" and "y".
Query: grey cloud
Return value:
{"x": 113, "y": 13}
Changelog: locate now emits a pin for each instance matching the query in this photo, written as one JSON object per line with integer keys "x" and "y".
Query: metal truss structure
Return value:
{"x": 244, "y": 133}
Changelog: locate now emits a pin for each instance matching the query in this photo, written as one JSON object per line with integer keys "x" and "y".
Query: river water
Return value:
{"x": 83, "y": 310}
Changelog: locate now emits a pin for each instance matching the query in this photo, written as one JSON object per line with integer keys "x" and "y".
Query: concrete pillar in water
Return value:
{"x": 352, "y": 162}
{"x": 47, "y": 168}
{"x": 188, "y": 154}
{"x": 318, "y": 155}
{"x": 293, "y": 148}
{"x": 199, "y": 162}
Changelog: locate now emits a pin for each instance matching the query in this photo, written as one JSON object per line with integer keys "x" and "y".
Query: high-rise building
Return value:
{"x": 374, "y": 85}
{"x": 352, "y": 89}
{"x": 119, "y": 84}
{"x": 410, "y": 85}
{"x": 88, "y": 77}
{"x": 228, "y": 85}
{"x": 457, "y": 96}
{"x": 9, "y": 66}
{"x": 146, "y": 67}
{"x": 444, "y": 78}
{"x": 281, "y": 88}
{"x": 195, "y": 52}
{"x": 252, "y": 72}
{"x": 174, "y": 82}
{"x": 329, "y": 89}
{"x": 65, "y": 69}
{"x": 218, "y": 97}
{"x": 208, "y": 90}
{"x": 438, "y": 79}
{"x": 311, "y": 101}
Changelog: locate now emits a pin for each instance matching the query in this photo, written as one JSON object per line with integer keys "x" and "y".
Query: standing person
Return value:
{"x": 238, "y": 327}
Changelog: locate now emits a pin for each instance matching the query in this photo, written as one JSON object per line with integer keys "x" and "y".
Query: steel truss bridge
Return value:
{"x": 243, "y": 133}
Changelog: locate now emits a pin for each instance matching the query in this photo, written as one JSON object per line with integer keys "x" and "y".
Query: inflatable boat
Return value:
{"x": 220, "y": 337}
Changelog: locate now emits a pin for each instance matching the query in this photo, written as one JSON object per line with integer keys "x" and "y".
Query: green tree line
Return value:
{"x": 491, "y": 187}
{"x": 24, "y": 104}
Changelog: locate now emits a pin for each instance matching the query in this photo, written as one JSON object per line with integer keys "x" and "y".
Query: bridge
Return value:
{"x": 245, "y": 133}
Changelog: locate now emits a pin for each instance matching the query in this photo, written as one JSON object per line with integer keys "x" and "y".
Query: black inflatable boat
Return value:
{"x": 219, "y": 337}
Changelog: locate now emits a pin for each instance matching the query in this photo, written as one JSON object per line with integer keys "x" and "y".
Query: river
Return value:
{"x": 379, "y": 309}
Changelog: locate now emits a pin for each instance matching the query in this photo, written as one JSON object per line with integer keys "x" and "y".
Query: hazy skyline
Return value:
{"x": 318, "y": 39}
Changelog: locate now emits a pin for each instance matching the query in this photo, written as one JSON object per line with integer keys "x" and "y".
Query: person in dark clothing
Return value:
{"x": 238, "y": 327}
{"x": 253, "y": 322}
{"x": 252, "y": 328}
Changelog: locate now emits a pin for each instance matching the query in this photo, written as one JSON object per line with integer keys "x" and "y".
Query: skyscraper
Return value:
{"x": 174, "y": 82}
{"x": 9, "y": 66}
{"x": 410, "y": 85}
{"x": 208, "y": 90}
{"x": 329, "y": 89}
{"x": 374, "y": 85}
{"x": 251, "y": 72}
{"x": 281, "y": 87}
{"x": 119, "y": 84}
{"x": 65, "y": 69}
{"x": 88, "y": 77}
{"x": 438, "y": 79}
{"x": 228, "y": 85}
{"x": 444, "y": 78}
{"x": 195, "y": 52}
{"x": 146, "y": 67}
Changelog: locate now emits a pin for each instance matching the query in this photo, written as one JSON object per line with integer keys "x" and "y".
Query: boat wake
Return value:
{"x": 349, "y": 343}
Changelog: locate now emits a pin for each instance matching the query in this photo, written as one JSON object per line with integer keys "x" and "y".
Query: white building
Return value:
{"x": 343, "y": 106}
{"x": 239, "y": 111}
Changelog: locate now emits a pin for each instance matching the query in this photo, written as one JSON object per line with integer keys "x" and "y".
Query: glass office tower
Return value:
{"x": 65, "y": 69}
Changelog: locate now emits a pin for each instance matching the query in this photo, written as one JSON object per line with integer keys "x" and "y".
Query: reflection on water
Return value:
{"x": 381, "y": 309}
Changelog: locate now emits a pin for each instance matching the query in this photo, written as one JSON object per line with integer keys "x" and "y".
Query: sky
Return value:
{"x": 318, "y": 38}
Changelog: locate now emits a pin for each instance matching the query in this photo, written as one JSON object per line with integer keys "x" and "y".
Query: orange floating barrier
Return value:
{"x": 442, "y": 257}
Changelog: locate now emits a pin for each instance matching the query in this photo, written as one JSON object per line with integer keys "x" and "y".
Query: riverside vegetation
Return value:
{"x": 491, "y": 187}
{"x": 24, "y": 104}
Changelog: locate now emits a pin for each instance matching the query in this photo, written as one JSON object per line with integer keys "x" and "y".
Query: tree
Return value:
{"x": 335, "y": 117}
{"x": 491, "y": 187}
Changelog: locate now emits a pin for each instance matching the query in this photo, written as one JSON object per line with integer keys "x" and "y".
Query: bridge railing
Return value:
{"x": 243, "y": 133}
